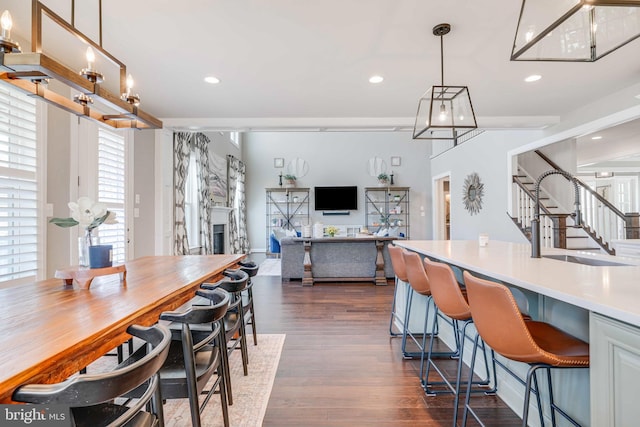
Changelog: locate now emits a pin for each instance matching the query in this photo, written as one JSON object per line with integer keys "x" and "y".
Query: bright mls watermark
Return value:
{"x": 34, "y": 415}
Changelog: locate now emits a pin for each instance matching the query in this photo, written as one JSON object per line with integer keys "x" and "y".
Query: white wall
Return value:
{"x": 336, "y": 158}
{"x": 486, "y": 155}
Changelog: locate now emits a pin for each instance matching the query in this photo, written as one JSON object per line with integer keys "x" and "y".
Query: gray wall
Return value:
{"x": 58, "y": 185}
{"x": 336, "y": 158}
{"x": 486, "y": 155}
{"x": 144, "y": 185}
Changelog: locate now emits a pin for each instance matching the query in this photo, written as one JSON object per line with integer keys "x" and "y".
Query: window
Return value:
{"x": 111, "y": 190}
{"x": 19, "y": 187}
{"x": 191, "y": 215}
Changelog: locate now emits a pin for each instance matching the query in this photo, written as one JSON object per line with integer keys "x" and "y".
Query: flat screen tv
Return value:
{"x": 336, "y": 198}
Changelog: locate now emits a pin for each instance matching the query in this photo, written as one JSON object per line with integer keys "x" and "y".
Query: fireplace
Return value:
{"x": 218, "y": 238}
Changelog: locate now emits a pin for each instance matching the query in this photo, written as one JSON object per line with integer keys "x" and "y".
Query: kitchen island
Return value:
{"x": 608, "y": 294}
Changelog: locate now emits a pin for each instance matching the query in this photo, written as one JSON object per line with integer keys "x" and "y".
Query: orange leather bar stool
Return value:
{"x": 400, "y": 271}
{"x": 418, "y": 283}
{"x": 451, "y": 301}
{"x": 541, "y": 345}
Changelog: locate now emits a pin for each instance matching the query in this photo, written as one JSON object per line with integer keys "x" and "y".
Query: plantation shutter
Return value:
{"x": 111, "y": 189}
{"x": 19, "y": 187}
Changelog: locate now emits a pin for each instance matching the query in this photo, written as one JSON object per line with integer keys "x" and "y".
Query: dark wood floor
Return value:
{"x": 339, "y": 367}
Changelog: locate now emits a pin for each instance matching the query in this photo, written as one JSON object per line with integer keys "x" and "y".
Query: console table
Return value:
{"x": 340, "y": 259}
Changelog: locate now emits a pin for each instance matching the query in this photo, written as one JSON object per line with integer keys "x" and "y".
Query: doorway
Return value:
{"x": 442, "y": 207}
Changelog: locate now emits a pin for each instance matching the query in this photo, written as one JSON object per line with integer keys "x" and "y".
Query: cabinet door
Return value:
{"x": 615, "y": 372}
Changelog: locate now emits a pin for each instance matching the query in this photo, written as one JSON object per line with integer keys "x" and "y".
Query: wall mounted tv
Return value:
{"x": 336, "y": 198}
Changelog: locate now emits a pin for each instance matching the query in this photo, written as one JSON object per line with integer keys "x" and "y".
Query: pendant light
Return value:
{"x": 445, "y": 112}
{"x": 574, "y": 31}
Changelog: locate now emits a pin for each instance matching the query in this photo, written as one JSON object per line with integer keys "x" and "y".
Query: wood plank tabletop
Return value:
{"x": 49, "y": 331}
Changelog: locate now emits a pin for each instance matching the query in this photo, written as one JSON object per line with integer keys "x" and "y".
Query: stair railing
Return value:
{"x": 524, "y": 212}
{"x": 602, "y": 220}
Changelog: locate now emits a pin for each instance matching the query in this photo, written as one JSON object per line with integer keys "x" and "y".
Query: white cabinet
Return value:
{"x": 615, "y": 372}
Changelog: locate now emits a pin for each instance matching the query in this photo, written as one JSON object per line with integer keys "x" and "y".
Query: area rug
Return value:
{"x": 270, "y": 267}
{"x": 250, "y": 393}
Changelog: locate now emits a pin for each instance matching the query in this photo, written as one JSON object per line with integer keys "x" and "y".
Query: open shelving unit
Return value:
{"x": 287, "y": 208}
{"x": 387, "y": 207}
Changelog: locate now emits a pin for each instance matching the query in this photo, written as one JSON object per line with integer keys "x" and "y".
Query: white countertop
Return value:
{"x": 611, "y": 291}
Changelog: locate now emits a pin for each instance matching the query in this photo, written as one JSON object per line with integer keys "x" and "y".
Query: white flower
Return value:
{"x": 111, "y": 219}
{"x": 85, "y": 211}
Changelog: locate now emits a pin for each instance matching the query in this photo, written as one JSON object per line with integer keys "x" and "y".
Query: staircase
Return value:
{"x": 601, "y": 221}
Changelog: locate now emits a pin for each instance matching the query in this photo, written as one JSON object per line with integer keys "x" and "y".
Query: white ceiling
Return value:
{"x": 296, "y": 62}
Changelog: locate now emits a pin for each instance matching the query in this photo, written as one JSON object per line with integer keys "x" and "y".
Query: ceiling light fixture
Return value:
{"x": 211, "y": 79}
{"x": 445, "y": 112}
{"x": 532, "y": 78}
{"x": 6, "y": 44}
{"x": 596, "y": 137}
{"x": 376, "y": 79}
{"x": 604, "y": 174}
{"x": 30, "y": 72}
{"x": 578, "y": 30}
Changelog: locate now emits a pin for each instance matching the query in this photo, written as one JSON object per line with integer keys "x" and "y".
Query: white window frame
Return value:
{"x": 84, "y": 165}
{"x": 41, "y": 195}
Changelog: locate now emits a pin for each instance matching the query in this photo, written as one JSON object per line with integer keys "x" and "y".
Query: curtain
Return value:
{"x": 181, "y": 151}
{"x": 201, "y": 148}
{"x": 239, "y": 241}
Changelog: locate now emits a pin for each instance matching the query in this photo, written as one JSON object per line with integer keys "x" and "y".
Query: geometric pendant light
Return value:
{"x": 574, "y": 30}
{"x": 445, "y": 112}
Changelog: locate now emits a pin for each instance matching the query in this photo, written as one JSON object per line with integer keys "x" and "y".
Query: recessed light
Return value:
{"x": 376, "y": 79}
{"x": 533, "y": 78}
{"x": 596, "y": 137}
{"x": 211, "y": 79}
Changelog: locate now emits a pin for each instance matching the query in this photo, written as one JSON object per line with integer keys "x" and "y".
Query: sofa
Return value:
{"x": 348, "y": 259}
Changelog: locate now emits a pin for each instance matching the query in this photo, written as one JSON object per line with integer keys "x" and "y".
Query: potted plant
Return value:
{"x": 332, "y": 230}
{"x": 383, "y": 179}
{"x": 289, "y": 180}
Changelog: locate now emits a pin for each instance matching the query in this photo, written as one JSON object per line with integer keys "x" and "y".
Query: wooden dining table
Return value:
{"x": 49, "y": 330}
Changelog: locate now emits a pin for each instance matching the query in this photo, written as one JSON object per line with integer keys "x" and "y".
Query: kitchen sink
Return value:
{"x": 585, "y": 261}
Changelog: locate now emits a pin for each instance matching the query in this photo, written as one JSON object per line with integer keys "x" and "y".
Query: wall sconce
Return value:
{"x": 30, "y": 72}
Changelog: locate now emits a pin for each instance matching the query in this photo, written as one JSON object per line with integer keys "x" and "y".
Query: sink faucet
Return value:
{"x": 535, "y": 222}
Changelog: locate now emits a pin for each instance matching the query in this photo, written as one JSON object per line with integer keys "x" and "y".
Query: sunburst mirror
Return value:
{"x": 472, "y": 193}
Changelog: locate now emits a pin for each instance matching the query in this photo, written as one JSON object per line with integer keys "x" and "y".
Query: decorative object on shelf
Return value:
{"x": 89, "y": 215}
{"x": 289, "y": 180}
{"x": 376, "y": 166}
{"x": 472, "y": 193}
{"x": 445, "y": 112}
{"x": 395, "y": 161}
{"x": 391, "y": 178}
{"x": 298, "y": 167}
{"x": 576, "y": 31}
{"x": 278, "y": 162}
{"x": 280, "y": 179}
{"x": 332, "y": 230}
{"x": 383, "y": 179}
{"x": 30, "y": 73}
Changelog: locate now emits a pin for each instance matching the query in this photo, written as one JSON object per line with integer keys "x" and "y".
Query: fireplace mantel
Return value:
{"x": 220, "y": 216}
